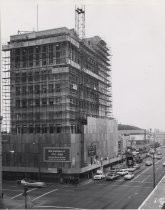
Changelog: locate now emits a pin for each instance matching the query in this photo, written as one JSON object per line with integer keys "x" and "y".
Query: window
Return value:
{"x": 23, "y": 77}
{"x": 57, "y": 88}
{"x": 17, "y": 77}
{"x": 24, "y": 103}
{"x": 51, "y": 115}
{"x": 37, "y": 102}
{"x": 30, "y": 77}
{"x": 17, "y": 103}
{"x": 36, "y": 76}
{"x": 44, "y": 101}
{"x": 44, "y": 89}
{"x": 57, "y": 100}
{"x": 37, "y": 116}
{"x": 24, "y": 59}
{"x": 44, "y": 129}
{"x": 37, "y": 128}
{"x": 30, "y": 56}
{"x": 44, "y": 55}
{"x": 30, "y": 128}
{"x": 24, "y": 90}
{"x": 24, "y": 129}
{"x": 58, "y": 129}
{"x": 24, "y": 115}
{"x": 51, "y": 101}
{"x": 37, "y": 56}
{"x": 18, "y": 129}
{"x": 30, "y": 116}
{"x": 17, "y": 58}
{"x": 50, "y": 54}
{"x": 51, "y": 128}
{"x": 37, "y": 89}
{"x": 18, "y": 91}
{"x": 50, "y": 88}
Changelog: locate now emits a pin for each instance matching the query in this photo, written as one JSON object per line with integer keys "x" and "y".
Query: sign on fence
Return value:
{"x": 54, "y": 154}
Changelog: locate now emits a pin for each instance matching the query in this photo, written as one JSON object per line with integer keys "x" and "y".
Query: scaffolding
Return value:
{"x": 6, "y": 92}
{"x": 51, "y": 87}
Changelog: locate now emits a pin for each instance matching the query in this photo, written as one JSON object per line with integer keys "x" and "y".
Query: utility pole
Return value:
{"x": 25, "y": 195}
{"x": 153, "y": 162}
{"x": 39, "y": 161}
{"x": 153, "y": 158}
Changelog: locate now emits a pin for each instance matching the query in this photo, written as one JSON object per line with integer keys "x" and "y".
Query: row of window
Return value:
{"x": 36, "y": 76}
{"x": 43, "y": 55}
{"x": 57, "y": 101}
{"x": 41, "y": 129}
{"x": 37, "y": 56}
{"x": 38, "y": 89}
{"x": 37, "y": 102}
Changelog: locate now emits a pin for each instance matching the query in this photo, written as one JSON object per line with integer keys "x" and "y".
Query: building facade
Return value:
{"x": 59, "y": 86}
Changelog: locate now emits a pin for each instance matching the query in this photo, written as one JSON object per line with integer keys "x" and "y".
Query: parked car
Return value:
{"x": 129, "y": 176}
{"x": 122, "y": 172}
{"x": 31, "y": 183}
{"x": 159, "y": 157}
{"x": 100, "y": 175}
{"x": 148, "y": 163}
{"x": 136, "y": 166}
{"x": 148, "y": 154}
{"x": 163, "y": 164}
{"x": 111, "y": 176}
{"x": 131, "y": 169}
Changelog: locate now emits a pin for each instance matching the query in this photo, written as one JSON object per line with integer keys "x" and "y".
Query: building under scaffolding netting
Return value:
{"x": 56, "y": 91}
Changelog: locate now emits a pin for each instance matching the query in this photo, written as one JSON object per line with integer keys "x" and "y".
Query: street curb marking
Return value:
{"x": 44, "y": 194}
{"x": 22, "y": 193}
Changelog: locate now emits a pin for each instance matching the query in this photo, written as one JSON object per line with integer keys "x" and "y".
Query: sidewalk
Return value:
{"x": 156, "y": 198}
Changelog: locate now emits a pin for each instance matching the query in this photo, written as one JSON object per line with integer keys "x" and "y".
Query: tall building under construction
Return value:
{"x": 57, "y": 92}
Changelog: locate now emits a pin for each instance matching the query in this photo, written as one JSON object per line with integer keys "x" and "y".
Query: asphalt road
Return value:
{"x": 91, "y": 194}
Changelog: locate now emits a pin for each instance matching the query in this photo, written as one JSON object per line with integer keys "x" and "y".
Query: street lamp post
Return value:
{"x": 39, "y": 163}
{"x": 153, "y": 158}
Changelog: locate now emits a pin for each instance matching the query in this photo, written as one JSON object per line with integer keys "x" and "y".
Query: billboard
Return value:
{"x": 57, "y": 154}
{"x": 91, "y": 150}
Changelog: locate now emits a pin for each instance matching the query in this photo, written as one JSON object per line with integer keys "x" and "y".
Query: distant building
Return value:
{"x": 60, "y": 102}
{"x": 134, "y": 137}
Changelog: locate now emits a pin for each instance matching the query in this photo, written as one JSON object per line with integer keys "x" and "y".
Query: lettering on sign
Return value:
{"x": 91, "y": 150}
{"x": 54, "y": 154}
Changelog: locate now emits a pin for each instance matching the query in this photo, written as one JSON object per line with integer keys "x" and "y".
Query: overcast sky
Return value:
{"x": 135, "y": 32}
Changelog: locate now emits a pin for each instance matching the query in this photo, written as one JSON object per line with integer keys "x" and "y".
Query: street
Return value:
{"x": 90, "y": 194}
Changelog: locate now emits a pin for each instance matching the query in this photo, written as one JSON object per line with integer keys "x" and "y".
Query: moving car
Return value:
{"x": 148, "y": 163}
{"x": 31, "y": 183}
{"x": 122, "y": 172}
{"x": 129, "y": 176}
{"x": 99, "y": 175}
{"x": 111, "y": 176}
